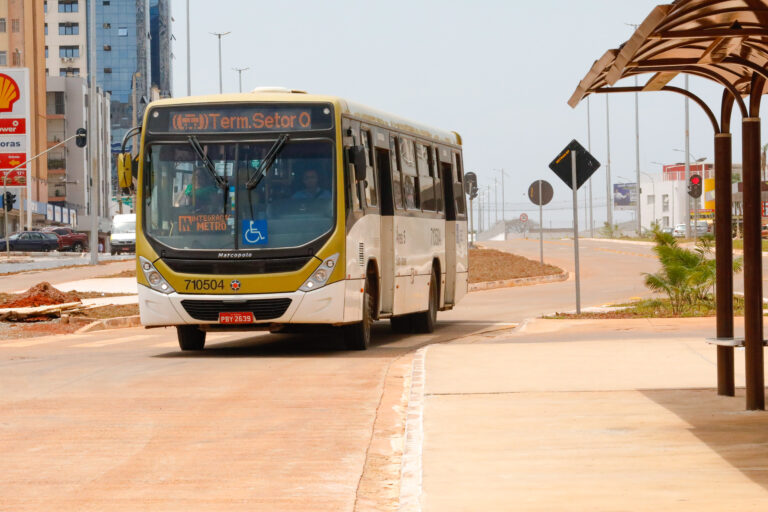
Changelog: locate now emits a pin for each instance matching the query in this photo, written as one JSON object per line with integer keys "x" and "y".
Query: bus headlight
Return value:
{"x": 155, "y": 279}
{"x": 321, "y": 275}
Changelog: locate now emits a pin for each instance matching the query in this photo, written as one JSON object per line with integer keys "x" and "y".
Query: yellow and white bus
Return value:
{"x": 277, "y": 207}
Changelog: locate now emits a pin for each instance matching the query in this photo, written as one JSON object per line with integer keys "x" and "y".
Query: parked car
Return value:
{"x": 123, "y": 237}
{"x": 679, "y": 231}
{"x": 702, "y": 227}
{"x": 764, "y": 231}
{"x": 29, "y": 241}
{"x": 69, "y": 240}
{"x": 668, "y": 230}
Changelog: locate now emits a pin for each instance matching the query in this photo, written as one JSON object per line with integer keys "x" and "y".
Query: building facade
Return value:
{"x": 68, "y": 178}
{"x": 161, "y": 55}
{"x": 66, "y": 38}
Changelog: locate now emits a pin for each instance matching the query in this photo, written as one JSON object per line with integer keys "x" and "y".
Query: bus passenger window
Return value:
{"x": 397, "y": 191}
{"x": 434, "y": 155}
{"x": 426, "y": 184}
{"x": 371, "y": 193}
{"x": 410, "y": 177}
{"x": 458, "y": 185}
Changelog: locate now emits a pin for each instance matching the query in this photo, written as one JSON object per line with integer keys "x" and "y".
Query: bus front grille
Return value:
{"x": 262, "y": 309}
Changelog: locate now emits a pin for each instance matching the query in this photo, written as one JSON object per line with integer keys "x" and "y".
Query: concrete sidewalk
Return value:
{"x": 587, "y": 416}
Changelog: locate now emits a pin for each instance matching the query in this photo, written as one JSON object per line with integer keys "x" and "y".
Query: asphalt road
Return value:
{"x": 121, "y": 420}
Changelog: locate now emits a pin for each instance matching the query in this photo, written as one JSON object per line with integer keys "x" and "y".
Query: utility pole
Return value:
{"x": 220, "y": 35}
{"x": 93, "y": 158}
{"x": 637, "y": 160}
{"x": 496, "y": 199}
{"x": 240, "y": 76}
{"x": 189, "y": 57}
{"x": 608, "y": 193}
{"x": 687, "y": 166}
{"x": 589, "y": 148}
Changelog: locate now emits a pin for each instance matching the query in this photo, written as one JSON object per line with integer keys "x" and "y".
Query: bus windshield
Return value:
{"x": 186, "y": 207}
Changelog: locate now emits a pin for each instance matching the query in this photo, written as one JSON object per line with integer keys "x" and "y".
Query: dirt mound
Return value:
{"x": 42, "y": 294}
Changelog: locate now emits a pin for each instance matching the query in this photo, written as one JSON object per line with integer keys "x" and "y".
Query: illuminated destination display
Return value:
{"x": 241, "y": 118}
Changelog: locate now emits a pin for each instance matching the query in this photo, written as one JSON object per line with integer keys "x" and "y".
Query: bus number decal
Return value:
{"x": 436, "y": 236}
{"x": 204, "y": 284}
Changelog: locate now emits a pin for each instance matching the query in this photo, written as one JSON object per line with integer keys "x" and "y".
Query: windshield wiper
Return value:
{"x": 267, "y": 162}
{"x": 220, "y": 181}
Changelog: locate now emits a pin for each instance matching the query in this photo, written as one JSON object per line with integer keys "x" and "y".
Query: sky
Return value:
{"x": 497, "y": 72}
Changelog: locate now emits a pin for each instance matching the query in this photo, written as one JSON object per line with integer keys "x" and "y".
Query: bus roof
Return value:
{"x": 351, "y": 108}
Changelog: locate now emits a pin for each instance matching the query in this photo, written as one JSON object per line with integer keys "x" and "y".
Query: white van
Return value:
{"x": 123, "y": 237}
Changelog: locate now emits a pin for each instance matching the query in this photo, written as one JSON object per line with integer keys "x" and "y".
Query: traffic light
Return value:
{"x": 8, "y": 201}
{"x": 81, "y": 138}
{"x": 694, "y": 186}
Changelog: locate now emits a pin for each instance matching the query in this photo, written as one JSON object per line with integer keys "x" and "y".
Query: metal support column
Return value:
{"x": 724, "y": 261}
{"x": 753, "y": 265}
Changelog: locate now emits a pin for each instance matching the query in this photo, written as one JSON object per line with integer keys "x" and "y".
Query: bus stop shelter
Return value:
{"x": 726, "y": 42}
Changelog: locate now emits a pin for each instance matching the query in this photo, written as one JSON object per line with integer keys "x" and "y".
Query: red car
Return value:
{"x": 69, "y": 240}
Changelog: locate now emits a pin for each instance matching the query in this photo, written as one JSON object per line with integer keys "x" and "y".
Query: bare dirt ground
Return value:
{"x": 493, "y": 265}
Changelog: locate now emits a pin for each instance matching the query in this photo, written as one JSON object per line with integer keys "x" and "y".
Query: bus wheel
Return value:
{"x": 425, "y": 321}
{"x": 402, "y": 324}
{"x": 358, "y": 336}
{"x": 190, "y": 337}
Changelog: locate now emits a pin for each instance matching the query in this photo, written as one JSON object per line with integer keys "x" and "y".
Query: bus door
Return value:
{"x": 387, "y": 225}
{"x": 445, "y": 163}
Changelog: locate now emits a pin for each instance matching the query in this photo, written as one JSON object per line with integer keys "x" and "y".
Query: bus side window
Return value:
{"x": 434, "y": 164}
{"x": 458, "y": 184}
{"x": 354, "y": 201}
{"x": 410, "y": 176}
{"x": 426, "y": 183}
{"x": 397, "y": 190}
{"x": 371, "y": 193}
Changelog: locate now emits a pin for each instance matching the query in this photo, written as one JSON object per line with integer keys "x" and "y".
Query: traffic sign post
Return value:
{"x": 524, "y": 221}
{"x": 470, "y": 188}
{"x": 540, "y": 192}
{"x": 582, "y": 166}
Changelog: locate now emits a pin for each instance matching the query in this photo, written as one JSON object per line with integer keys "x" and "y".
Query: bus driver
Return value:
{"x": 311, "y": 181}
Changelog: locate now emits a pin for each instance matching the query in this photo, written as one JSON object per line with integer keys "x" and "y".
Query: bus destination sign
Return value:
{"x": 241, "y": 118}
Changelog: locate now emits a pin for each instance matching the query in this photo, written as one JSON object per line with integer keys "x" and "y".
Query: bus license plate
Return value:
{"x": 236, "y": 318}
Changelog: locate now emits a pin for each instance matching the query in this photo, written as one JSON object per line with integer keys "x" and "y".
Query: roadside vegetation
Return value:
{"x": 686, "y": 279}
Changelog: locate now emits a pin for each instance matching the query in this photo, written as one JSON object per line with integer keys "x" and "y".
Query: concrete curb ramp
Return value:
{"x": 520, "y": 281}
{"x": 120, "y": 322}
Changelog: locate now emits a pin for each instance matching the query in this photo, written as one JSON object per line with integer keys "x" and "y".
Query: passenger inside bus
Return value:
{"x": 311, "y": 187}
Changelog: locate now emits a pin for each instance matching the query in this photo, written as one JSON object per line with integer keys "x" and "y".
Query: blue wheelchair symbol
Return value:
{"x": 254, "y": 232}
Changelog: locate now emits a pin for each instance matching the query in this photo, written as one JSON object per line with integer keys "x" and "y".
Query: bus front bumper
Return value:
{"x": 322, "y": 306}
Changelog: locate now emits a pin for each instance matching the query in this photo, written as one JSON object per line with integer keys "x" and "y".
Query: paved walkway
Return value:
{"x": 588, "y": 416}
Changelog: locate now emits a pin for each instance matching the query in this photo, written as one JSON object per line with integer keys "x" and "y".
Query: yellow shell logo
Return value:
{"x": 9, "y": 93}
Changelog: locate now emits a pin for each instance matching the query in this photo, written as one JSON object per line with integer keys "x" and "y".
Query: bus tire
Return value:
{"x": 190, "y": 337}
{"x": 401, "y": 324}
{"x": 358, "y": 336}
{"x": 425, "y": 321}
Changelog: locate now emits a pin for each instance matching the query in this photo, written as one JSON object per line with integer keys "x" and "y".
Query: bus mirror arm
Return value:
{"x": 357, "y": 157}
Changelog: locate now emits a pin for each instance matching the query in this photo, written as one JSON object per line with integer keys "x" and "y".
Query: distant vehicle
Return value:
{"x": 69, "y": 240}
{"x": 31, "y": 241}
{"x": 668, "y": 230}
{"x": 679, "y": 231}
{"x": 764, "y": 231}
{"x": 702, "y": 227}
{"x": 123, "y": 238}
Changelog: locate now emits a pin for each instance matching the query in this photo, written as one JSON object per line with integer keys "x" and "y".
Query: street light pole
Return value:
{"x": 589, "y": 148}
{"x": 637, "y": 161}
{"x": 687, "y": 166}
{"x": 220, "y": 35}
{"x": 95, "y": 185}
{"x": 608, "y": 194}
{"x": 240, "y": 76}
{"x": 189, "y": 57}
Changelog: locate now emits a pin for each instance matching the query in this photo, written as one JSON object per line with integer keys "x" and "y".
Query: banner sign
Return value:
{"x": 14, "y": 121}
{"x": 625, "y": 196}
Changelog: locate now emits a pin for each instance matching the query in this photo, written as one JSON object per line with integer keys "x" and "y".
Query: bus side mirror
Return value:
{"x": 125, "y": 170}
{"x": 357, "y": 157}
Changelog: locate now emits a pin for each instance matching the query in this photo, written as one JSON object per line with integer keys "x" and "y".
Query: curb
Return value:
{"x": 520, "y": 281}
{"x": 119, "y": 322}
{"x": 411, "y": 470}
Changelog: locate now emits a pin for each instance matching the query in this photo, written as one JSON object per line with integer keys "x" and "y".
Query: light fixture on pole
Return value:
{"x": 240, "y": 76}
{"x": 219, "y": 35}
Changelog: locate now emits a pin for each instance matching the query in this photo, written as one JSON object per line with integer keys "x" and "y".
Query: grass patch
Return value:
{"x": 739, "y": 244}
{"x": 493, "y": 265}
{"x": 652, "y": 308}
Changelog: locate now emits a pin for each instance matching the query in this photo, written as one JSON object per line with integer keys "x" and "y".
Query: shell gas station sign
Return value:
{"x": 14, "y": 121}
